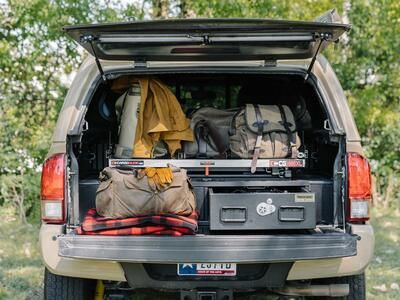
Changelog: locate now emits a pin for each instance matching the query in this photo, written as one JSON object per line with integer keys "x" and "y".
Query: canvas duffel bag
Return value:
{"x": 264, "y": 131}
{"x": 129, "y": 193}
{"x": 211, "y": 130}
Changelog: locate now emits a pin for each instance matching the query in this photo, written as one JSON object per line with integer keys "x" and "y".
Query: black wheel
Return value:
{"x": 356, "y": 285}
{"x": 58, "y": 287}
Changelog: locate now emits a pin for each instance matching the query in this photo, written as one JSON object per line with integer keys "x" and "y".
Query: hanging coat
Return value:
{"x": 160, "y": 118}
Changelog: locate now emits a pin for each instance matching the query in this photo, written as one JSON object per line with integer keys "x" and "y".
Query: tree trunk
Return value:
{"x": 160, "y": 9}
{"x": 388, "y": 191}
{"x": 183, "y": 9}
{"x": 19, "y": 197}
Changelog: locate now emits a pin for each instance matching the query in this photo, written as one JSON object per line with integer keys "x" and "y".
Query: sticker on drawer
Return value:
{"x": 304, "y": 197}
{"x": 207, "y": 269}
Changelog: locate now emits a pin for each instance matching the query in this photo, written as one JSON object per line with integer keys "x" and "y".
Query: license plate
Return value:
{"x": 210, "y": 269}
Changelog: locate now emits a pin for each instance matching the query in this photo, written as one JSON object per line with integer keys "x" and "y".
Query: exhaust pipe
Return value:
{"x": 325, "y": 290}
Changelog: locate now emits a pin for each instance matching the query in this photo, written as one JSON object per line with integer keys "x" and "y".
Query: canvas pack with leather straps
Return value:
{"x": 255, "y": 131}
{"x": 126, "y": 193}
{"x": 264, "y": 131}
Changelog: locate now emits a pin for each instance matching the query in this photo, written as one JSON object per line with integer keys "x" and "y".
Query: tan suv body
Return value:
{"x": 123, "y": 259}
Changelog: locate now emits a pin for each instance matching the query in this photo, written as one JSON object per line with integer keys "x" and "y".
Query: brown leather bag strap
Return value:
{"x": 260, "y": 128}
{"x": 291, "y": 141}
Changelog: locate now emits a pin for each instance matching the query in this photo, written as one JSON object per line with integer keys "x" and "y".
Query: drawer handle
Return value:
{"x": 232, "y": 214}
{"x": 291, "y": 213}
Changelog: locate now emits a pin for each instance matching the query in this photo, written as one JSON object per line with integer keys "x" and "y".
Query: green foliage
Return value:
{"x": 37, "y": 61}
{"x": 370, "y": 73}
{"x": 284, "y": 9}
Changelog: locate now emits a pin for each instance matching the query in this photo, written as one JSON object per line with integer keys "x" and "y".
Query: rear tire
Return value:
{"x": 58, "y": 287}
{"x": 356, "y": 286}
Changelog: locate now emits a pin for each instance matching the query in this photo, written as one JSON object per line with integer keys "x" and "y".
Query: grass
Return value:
{"x": 383, "y": 274}
{"x": 21, "y": 270}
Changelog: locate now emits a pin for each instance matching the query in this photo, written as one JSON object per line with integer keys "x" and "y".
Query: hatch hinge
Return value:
{"x": 270, "y": 63}
{"x": 89, "y": 39}
{"x": 142, "y": 64}
{"x": 322, "y": 38}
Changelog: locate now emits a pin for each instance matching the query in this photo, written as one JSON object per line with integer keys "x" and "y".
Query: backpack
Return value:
{"x": 211, "y": 130}
{"x": 264, "y": 131}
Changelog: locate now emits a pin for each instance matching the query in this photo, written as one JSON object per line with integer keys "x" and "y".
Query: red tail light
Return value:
{"x": 53, "y": 189}
{"x": 359, "y": 188}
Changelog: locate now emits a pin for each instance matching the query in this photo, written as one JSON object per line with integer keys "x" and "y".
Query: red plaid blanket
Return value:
{"x": 162, "y": 224}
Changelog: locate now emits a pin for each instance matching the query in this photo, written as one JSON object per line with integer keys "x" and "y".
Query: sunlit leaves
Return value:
{"x": 35, "y": 59}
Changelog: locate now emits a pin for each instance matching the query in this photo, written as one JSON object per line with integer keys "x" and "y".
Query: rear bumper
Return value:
{"x": 239, "y": 249}
{"x": 112, "y": 270}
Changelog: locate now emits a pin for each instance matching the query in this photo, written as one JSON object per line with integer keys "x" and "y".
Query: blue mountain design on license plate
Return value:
{"x": 207, "y": 269}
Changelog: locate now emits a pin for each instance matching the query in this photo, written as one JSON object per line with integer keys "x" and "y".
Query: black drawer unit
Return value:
{"x": 262, "y": 211}
{"x": 212, "y": 194}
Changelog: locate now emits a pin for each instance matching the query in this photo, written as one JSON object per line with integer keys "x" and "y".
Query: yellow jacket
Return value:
{"x": 160, "y": 118}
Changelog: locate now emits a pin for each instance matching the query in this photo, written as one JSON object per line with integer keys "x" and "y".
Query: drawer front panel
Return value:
{"x": 262, "y": 211}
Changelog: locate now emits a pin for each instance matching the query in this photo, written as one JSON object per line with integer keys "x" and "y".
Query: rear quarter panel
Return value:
{"x": 336, "y": 101}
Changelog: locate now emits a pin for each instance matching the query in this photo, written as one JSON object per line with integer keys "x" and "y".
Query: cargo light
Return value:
{"x": 359, "y": 188}
{"x": 52, "y": 192}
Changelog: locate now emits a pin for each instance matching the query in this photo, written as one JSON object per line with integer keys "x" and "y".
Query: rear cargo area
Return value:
{"x": 227, "y": 197}
{"x": 228, "y": 194}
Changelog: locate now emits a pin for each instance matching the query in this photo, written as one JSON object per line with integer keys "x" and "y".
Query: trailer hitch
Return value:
{"x": 209, "y": 294}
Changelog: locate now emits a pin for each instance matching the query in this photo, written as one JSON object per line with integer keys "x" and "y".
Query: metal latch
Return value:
{"x": 85, "y": 126}
{"x": 269, "y": 63}
{"x": 140, "y": 64}
{"x": 327, "y": 125}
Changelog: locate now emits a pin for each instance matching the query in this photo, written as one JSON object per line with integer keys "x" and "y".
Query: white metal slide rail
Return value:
{"x": 202, "y": 163}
